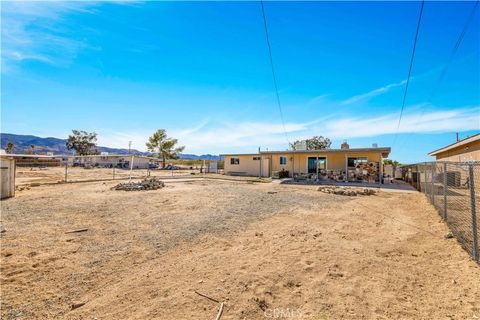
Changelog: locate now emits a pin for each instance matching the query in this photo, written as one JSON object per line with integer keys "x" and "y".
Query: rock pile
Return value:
{"x": 345, "y": 191}
{"x": 146, "y": 184}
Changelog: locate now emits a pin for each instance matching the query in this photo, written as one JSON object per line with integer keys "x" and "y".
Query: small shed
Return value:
{"x": 7, "y": 175}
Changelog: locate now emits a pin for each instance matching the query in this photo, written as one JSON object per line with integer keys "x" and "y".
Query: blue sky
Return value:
{"x": 201, "y": 71}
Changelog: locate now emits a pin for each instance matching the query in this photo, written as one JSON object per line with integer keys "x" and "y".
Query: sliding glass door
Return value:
{"x": 312, "y": 164}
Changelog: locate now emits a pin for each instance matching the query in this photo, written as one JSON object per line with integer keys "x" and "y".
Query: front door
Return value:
{"x": 312, "y": 164}
{"x": 265, "y": 167}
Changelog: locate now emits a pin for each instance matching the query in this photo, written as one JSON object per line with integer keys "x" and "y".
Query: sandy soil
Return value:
{"x": 266, "y": 250}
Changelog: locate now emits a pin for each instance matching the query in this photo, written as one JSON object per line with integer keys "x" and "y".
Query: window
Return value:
{"x": 283, "y": 160}
{"x": 256, "y": 158}
{"x": 234, "y": 161}
{"x": 352, "y": 162}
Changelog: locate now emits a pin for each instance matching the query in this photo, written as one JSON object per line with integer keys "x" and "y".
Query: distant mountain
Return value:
{"x": 22, "y": 143}
{"x": 186, "y": 156}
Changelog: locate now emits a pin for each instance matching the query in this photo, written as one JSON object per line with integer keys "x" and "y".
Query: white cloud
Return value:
{"x": 37, "y": 31}
{"x": 435, "y": 121}
{"x": 222, "y": 137}
{"x": 115, "y": 139}
{"x": 373, "y": 93}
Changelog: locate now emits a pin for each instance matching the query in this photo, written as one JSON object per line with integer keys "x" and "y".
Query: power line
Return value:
{"x": 409, "y": 71}
{"x": 455, "y": 49}
{"x": 450, "y": 59}
{"x": 273, "y": 72}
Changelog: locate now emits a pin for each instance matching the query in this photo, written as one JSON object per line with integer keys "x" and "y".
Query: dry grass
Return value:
{"x": 257, "y": 247}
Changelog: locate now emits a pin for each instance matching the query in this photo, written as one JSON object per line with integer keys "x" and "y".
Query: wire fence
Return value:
{"x": 83, "y": 169}
{"x": 453, "y": 188}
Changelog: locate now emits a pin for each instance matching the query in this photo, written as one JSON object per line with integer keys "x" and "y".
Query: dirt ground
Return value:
{"x": 266, "y": 250}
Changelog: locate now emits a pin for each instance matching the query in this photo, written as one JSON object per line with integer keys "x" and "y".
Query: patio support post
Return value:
{"x": 318, "y": 178}
{"x": 380, "y": 170}
{"x": 293, "y": 164}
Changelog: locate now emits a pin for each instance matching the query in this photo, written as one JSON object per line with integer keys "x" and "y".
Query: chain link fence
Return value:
{"x": 453, "y": 188}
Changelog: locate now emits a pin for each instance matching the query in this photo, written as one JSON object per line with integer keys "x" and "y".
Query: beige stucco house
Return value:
{"x": 464, "y": 150}
{"x": 340, "y": 164}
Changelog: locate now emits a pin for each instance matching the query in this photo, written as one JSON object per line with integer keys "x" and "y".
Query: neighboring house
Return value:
{"x": 464, "y": 150}
{"x": 102, "y": 161}
{"x": 356, "y": 164}
{"x": 35, "y": 160}
{"x": 114, "y": 160}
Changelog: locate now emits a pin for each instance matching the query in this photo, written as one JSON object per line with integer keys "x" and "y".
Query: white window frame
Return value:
{"x": 280, "y": 160}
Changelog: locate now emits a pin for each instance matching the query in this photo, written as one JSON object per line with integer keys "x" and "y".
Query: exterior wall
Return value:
{"x": 298, "y": 162}
{"x": 7, "y": 186}
{"x": 468, "y": 152}
{"x": 246, "y": 167}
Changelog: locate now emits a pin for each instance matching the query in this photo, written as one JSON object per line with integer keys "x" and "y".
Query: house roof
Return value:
{"x": 457, "y": 144}
{"x": 239, "y": 154}
{"x": 18, "y": 155}
{"x": 384, "y": 150}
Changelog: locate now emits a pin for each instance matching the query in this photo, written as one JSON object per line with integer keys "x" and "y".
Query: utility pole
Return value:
{"x": 129, "y": 146}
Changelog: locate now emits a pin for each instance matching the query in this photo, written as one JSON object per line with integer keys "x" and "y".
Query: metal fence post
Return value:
{"x": 425, "y": 173}
{"x": 445, "y": 186}
{"x": 474, "y": 213}
{"x": 433, "y": 184}
{"x": 66, "y": 171}
{"x": 419, "y": 188}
